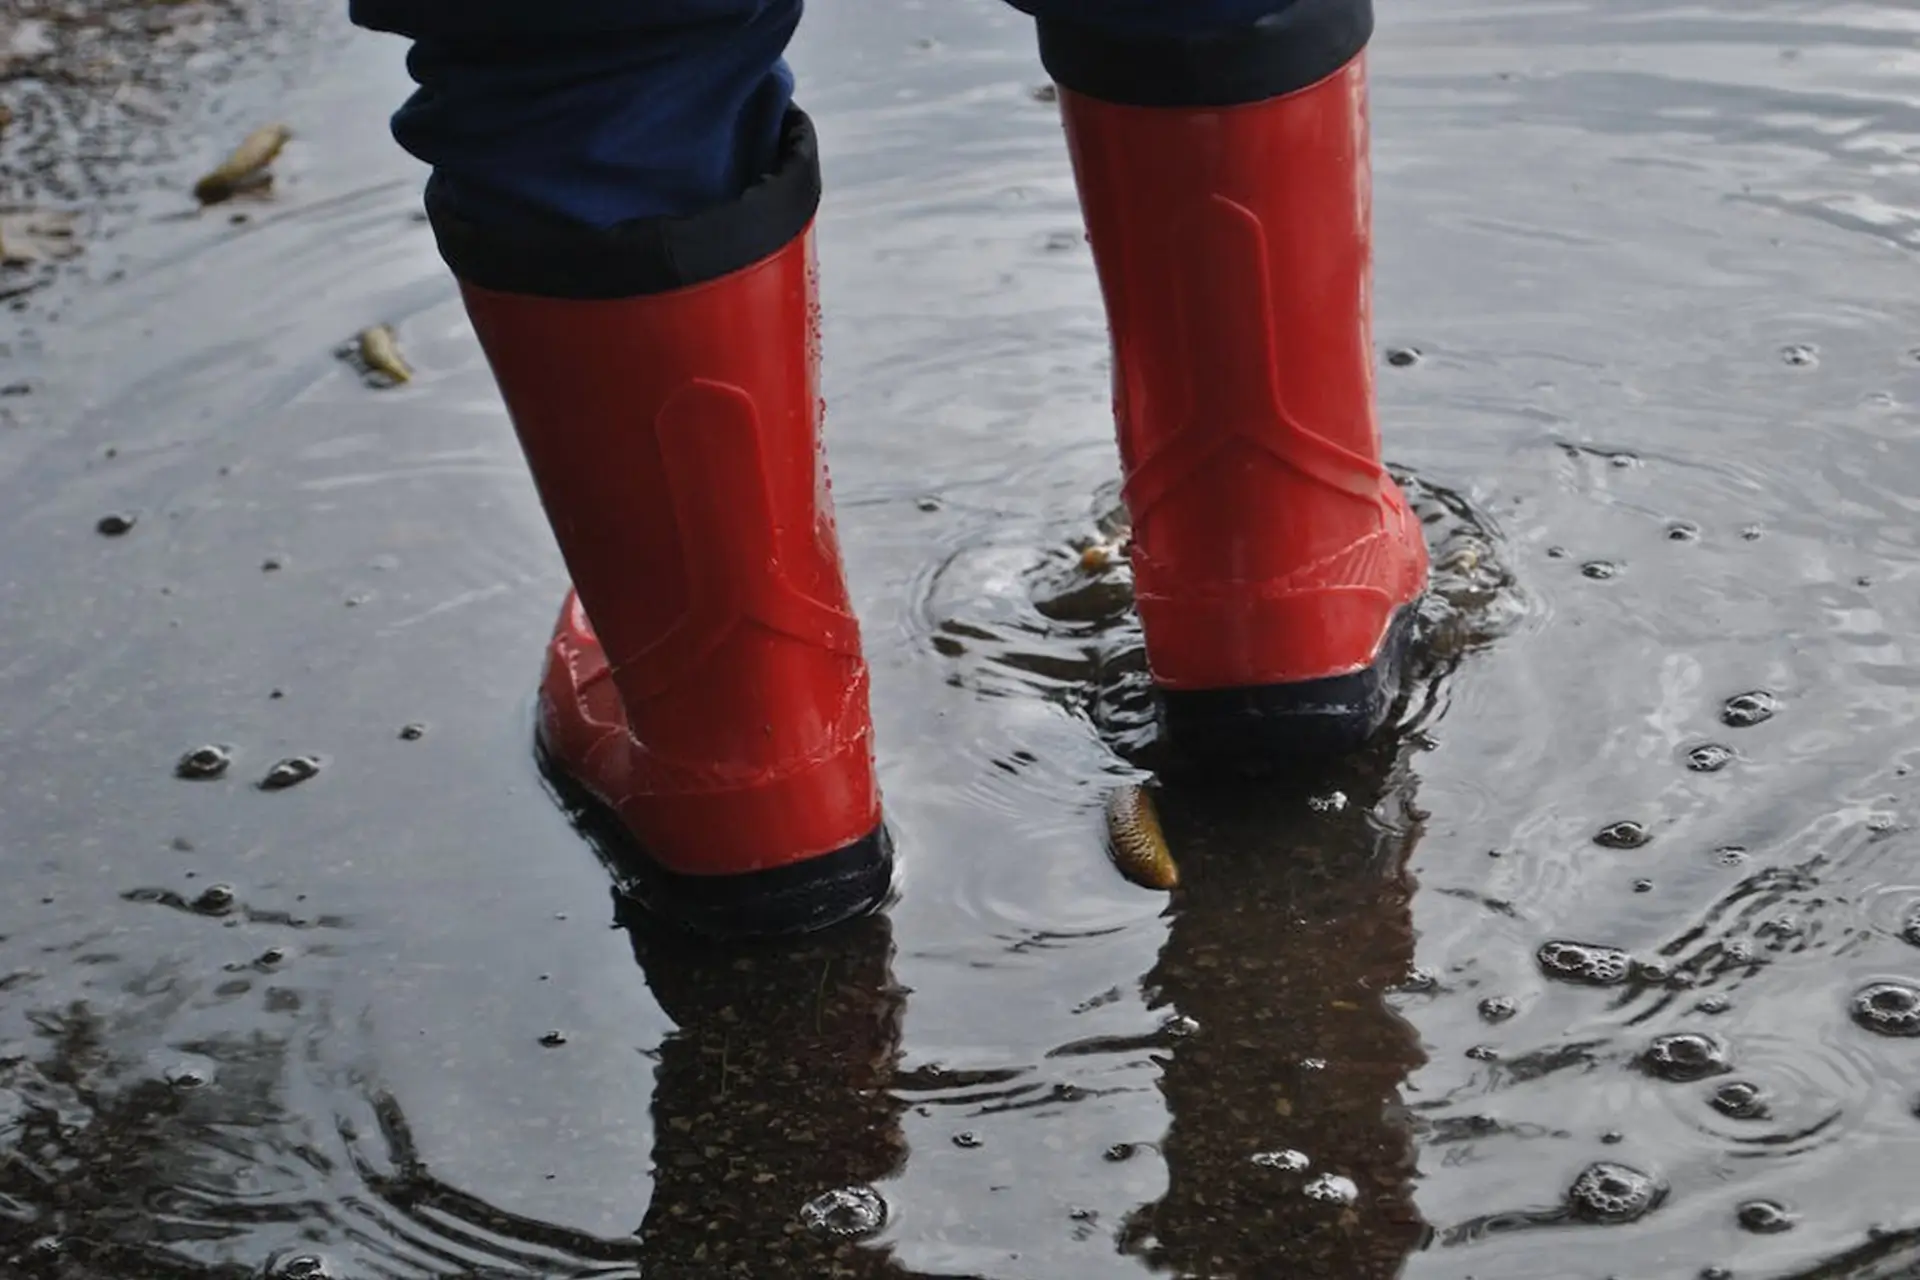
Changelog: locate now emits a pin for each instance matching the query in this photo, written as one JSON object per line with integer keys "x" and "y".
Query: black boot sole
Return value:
{"x": 1262, "y": 726}
{"x": 801, "y": 897}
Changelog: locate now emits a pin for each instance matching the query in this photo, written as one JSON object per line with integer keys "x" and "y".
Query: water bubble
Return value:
{"x": 1910, "y": 928}
{"x": 1731, "y": 855}
{"x": 290, "y": 772}
{"x": 1740, "y": 1100}
{"x": 1800, "y": 354}
{"x": 202, "y": 763}
{"x": 1715, "y": 1273}
{"x": 1600, "y": 570}
{"x": 1626, "y": 834}
{"x": 1643, "y": 885}
{"x": 1888, "y": 1008}
{"x": 1418, "y": 981}
{"x": 271, "y": 956}
{"x": 1709, "y": 757}
{"x": 1483, "y": 1053}
{"x": 1744, "y": 710}
{"x": 1765, "y": 1217}
{"x": 1585, "y": 962}
{"x": 1332, "y": 802}
{"x": 1498, "y": 1008}
{"x": 1403, "y": 357}
{"x": 1623, "y": 459}
{"x": 1613, "y": 1137}
{"x": 185, "y": 1079}
{"x": 553, "y": 1039}
{"x": 1331, "y": 1188}
{"x": 412, "y": 732}
{"x": 1683, "y": 531}
{"x": 1751, "y": 533}
{"x": 1045, "y": 93}
{"x": 1287, "y": 1161}
{"x": 300, "y": 1266}
{"x": 1119, "y": 1152}
{"x": 1684, "y": 1056}
{"x": 1084, "y": 1215}
{"x": 1607, "y": 1192}
{"x": 214, "y": 900}
{"x": 1556, "y": 553}
{"x": 115, "y": 524}
{"x": 966, "y": 1140}
{"x": 845, "y": 1212}
{"x": 271, "y": 564}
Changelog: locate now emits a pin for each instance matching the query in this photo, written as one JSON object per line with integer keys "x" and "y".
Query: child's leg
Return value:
{"x": 1221, "y": 151}
{"x": 626, "y": 197}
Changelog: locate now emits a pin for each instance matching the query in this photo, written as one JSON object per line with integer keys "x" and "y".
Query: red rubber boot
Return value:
{"x": 706, "y": 683}
{"x": 1225, "y": 184}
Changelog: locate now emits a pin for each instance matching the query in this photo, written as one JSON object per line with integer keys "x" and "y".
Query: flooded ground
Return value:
{"x": 1581, "y": 974}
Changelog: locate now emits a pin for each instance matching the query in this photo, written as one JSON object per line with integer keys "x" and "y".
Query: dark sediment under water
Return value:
{"x": 1575, "y": 975}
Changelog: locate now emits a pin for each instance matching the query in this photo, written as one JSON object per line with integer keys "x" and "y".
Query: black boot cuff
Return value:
{"x": 561, "y": 259}
{"x": 1284, "y": 52}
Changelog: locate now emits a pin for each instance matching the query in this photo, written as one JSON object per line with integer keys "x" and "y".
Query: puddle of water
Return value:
{"x": 387, "y": 1022}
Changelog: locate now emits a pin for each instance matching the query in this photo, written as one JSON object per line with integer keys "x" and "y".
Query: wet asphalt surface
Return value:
{"x": 1594, "y": 968}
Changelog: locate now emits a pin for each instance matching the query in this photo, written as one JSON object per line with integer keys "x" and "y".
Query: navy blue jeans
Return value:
{"x": 602, "y": 111}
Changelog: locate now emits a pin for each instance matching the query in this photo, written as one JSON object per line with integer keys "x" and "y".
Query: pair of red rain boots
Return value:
{"x": 706, "y": 684}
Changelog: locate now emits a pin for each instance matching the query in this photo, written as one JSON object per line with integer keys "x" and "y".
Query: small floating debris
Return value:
{"x": 553, "y": 1039}
{"x": 1098, "y": 558}
{"x": 379, "y": 357}
{"x": 1600, "y": 570}
{"x": 1135, "y": 842}
{"x": 412, "y": 732}
{"x": 203, "y": 763}
{"x": 247, "y": 169}
{"x": 1800, "y": 354}
{"x": 115, "y": 524}
{"x": 1403, "y": 357}
{"x": 1045, "y": 93}
{"x": 29, "y": 236}
{"x": 290, "y": 772}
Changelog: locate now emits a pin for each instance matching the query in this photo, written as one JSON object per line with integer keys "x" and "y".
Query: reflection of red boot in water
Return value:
{"x": 706, "y": 681}
{"x": 1226, "y": 189}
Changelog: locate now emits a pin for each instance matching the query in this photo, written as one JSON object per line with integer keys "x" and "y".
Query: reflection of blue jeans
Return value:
{"x": 599, "y": 111}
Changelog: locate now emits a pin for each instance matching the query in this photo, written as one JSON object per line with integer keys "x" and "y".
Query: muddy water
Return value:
{"x": 1656, "y": 263}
